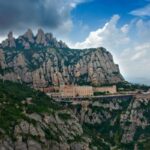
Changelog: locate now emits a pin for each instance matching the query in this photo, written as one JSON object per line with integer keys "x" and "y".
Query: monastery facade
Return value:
{"x": 74, "y": 90}
{"x": 109, "y": 89}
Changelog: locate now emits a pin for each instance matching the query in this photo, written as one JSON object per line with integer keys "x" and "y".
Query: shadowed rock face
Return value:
{"x": 10, "y": 42}
{"x": 41, "y": 61}
{"x": 29, "y": 35}
{"x": 40, "y": 37}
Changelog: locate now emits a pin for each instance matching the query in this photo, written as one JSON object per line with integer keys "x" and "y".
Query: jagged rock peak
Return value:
{"x": 40, "y": 32}
{"x": 28, "y": 40}
{"x": 62, "y": 44}
{"x": 40, "y": 37}
{"x": 10, "y": 35}
{"x": 49, "y": 36}
{"x": 29, "y": 35}
{"x": 10, "y": 41}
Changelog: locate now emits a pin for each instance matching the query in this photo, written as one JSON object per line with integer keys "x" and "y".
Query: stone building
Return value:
{"x": 84, "y": 90}
{"x": 67, "y": 91}
{"x": 110, "y": 89}
{"x": 49, "y": 89}
{"x": 73, "y": 91}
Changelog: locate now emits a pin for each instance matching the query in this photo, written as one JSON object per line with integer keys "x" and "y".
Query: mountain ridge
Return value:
{"x": 41, "y": 61}
{"x": 28, "y": 39}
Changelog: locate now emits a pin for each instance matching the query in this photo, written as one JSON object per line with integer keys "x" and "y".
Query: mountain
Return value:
{"x": 116, "y": 123}
{"x": 40, "y": 60}
{"x": 30, "y": 120}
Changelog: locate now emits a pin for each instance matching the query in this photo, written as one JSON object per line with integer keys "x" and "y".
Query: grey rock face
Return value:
{"x": 55, "y": 67}
{"x": 29, "y": 35}
{"x": 31, "y": 136}
{"x": 122, "y": 120}
{"x": 42, "y": 61}
{"x": 10, "y": 42}
{"x": 40, "y": 37}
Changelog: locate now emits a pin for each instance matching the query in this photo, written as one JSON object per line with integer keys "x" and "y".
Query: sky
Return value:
{"x": 121, "y": 26}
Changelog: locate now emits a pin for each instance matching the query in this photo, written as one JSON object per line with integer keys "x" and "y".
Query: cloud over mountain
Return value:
{"x": 52, "y": 14}
{"x": 106, "y": 36}
{"x": 129, "y": 43}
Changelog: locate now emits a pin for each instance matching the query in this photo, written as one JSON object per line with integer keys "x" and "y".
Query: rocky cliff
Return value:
{"x": 29, "y": 120}
{"x": 41, "y": 60}
{"x": 116, "y": 123}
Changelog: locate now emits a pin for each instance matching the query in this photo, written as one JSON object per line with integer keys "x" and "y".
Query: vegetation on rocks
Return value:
{"x": 116, "y": 123}
{"x": 29, "y": 116}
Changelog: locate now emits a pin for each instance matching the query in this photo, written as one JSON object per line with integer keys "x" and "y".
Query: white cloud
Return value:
{"x": 143, "y": 30}
{"x": 109, "y": 31}
{"x": 130, "y": 44}
{"x": 2, "y": 38}
{"x": 141, "y": 11}
{"x": 125, "y": 28}
{"x": 74, "y": 3}
{"x": 65, "y": 28}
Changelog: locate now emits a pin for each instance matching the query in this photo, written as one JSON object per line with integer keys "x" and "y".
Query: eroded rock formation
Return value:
{"x": 41, "y": 61}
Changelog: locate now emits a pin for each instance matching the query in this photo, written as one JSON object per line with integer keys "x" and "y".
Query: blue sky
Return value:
{"x": 96, "y": 13}
{"x": 121, "y": 26}
{"x": 104, "y": 22}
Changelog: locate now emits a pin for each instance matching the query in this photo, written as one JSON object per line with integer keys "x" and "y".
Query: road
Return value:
{"x": 91, "y": 98}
